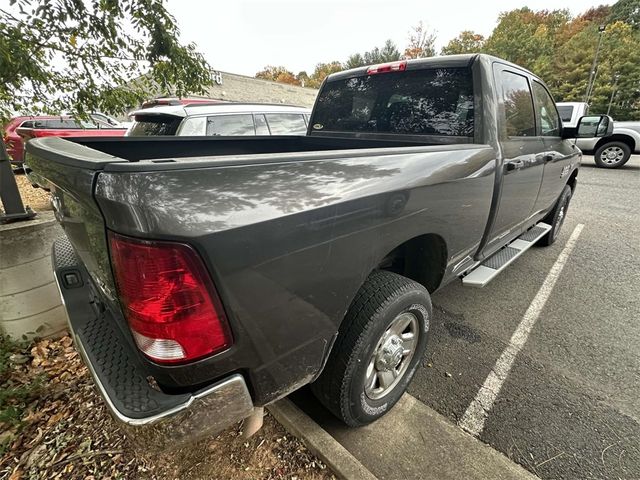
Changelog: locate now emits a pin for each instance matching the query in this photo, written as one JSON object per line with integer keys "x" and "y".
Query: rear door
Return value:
{"x": 521, "y": 150}
{"x": 558, "y": 154}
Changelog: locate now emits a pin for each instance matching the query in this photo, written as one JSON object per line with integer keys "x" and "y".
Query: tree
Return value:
{"x": 421, "y": 42}
{"x": 303, "y": 78}
{"x": 354, "y": 61}
{"x": 561, "y": 50}
{"x": 80, "y": 56}
{"x": 527, "y": 38}
{"x": 321, "y": 71}
{"x": 278, "y": 74}
{"x": 466, "y": 42}
{"x": 627, "y": 11}
{"x": 388, "y": 53}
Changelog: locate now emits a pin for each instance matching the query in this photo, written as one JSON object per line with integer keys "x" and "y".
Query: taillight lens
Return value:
{"x": 400, "y": 66}
{"x": 169, "y": 300}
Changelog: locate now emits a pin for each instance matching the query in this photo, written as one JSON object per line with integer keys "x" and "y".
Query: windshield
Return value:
{"x": 154, "y": 125}
{"x": 565, "y": 111}
{"x": 436, "y": 101}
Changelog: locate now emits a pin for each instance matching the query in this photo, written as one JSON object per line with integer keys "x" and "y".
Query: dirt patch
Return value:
{"x": 38, "y": 199}
{"x": 62, "y": 429}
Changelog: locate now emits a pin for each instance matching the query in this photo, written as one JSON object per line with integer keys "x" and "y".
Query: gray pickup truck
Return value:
{"x": 207, "y": 277}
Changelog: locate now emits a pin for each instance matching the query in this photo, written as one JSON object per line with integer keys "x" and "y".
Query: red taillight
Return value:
{"x": 400, "y": 66}
{"x": 169, "y": 300}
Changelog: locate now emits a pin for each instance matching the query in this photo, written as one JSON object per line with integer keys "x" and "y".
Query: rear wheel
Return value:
{"x": 556, "y": 217}
{"x": 612, "y": 155}
{"x": 378, "y": 349}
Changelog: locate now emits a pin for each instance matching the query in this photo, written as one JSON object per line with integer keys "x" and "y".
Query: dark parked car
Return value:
{"x": 207, "y": 277}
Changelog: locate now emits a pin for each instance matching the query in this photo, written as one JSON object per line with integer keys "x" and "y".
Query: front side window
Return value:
{"x": 230, "y": 125}
{"x": 518, "y": 105}
{"x": 286, "y": 124}
{"x": 548, "y": 120}
{"x": 67, "y": 124}
{"x": 428, "y": 101}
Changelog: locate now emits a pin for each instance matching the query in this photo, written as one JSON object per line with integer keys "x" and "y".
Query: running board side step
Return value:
{"x": 496, "y": 263}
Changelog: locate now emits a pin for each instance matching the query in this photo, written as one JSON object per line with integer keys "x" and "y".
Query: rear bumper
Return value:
{"x": 155, "y": 420}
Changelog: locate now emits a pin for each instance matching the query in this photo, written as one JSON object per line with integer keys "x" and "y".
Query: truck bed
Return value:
{"x": 96, "y": 152}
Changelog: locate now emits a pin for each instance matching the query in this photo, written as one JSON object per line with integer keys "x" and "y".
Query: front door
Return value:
{"x": 558, "y": 155}
{"x": 521, "y": 150}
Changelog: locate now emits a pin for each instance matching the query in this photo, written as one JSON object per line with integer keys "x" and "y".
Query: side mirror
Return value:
{"x": 594, "y": 126}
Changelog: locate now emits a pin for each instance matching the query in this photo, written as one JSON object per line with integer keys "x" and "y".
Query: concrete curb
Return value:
{"x": 318, "y": 441}
{"x": 29, "y": 299}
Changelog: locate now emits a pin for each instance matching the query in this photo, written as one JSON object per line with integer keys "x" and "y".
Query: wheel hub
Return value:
{"x": 612, "y": 155}
{"x": 390, "y": 360}
{"x": 390, "y": 355}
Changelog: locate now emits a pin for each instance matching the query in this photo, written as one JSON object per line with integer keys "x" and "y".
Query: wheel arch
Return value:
{"x": 573, "y": 180}
{"x": 422, "y": 258}
{"x": 617, "y": 137}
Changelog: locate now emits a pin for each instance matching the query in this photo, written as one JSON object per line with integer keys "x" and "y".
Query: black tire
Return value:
{"x": 556, "y": 217}
{"x": 604, "y": 156}
{"x": 383, "y": 299}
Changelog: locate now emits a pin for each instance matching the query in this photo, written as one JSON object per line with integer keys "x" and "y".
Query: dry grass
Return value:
{"x": 36, "y": 198}
{"x": 64, "y": 431}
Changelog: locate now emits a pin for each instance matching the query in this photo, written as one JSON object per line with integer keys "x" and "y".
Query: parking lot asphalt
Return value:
{"x": 570, "y": 405}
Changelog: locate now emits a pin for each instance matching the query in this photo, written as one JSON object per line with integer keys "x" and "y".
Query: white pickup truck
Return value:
{"x": 609, "y": 152}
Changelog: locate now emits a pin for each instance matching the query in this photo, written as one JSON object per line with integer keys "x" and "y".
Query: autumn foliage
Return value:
{"x": 553, "y": 44}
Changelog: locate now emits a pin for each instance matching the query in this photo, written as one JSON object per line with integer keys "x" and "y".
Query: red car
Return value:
{"x": 20, "y": 129}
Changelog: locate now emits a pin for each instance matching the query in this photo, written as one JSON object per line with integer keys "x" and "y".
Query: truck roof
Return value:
{"x": 444, "y": 61}
{"x": 204, "y": 109}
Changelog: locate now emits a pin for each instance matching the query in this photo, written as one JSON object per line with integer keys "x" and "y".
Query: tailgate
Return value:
{"x": 69, "y": 170}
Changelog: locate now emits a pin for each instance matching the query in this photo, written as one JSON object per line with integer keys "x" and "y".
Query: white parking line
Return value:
{"x": 476, "y": 414}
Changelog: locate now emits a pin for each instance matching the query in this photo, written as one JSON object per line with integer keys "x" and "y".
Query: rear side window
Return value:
{"x": 27, "y": 124}
{"x": 230, "y": 125}
{"x": 518, "y": 105}
{"x": 154, "y": 125}
{"x": 286, "y": 123}
{"x": 436, "y": 101}
{"x": 546, "y": 113}
{"x": 566, "y": 112}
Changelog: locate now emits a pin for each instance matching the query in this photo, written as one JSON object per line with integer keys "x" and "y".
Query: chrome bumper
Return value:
{"x": 205, "y": 413}
{"x": 159, "y": 421}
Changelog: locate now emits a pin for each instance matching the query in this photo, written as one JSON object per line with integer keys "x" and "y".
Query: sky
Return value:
{"x": 243, "y": 36}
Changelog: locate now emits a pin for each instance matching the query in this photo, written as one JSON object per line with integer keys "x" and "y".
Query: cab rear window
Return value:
{"x": 566, "y": 112}
{"x": 435, "y": 101}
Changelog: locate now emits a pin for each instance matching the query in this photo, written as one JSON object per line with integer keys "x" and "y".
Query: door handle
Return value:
{"x": 515, "y": 165}
{"x": 547, "y": 158}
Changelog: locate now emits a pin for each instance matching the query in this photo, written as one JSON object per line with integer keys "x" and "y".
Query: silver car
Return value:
{"x": 219, "y": 119}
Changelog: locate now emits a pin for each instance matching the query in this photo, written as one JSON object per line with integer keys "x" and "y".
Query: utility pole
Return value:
{"x": 616, "y": 77}
{"x": 592, "y": 74}
{"x": 9, "y": 194}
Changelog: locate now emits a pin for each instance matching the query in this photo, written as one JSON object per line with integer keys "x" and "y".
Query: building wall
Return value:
{"x": 239, "y": 88}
